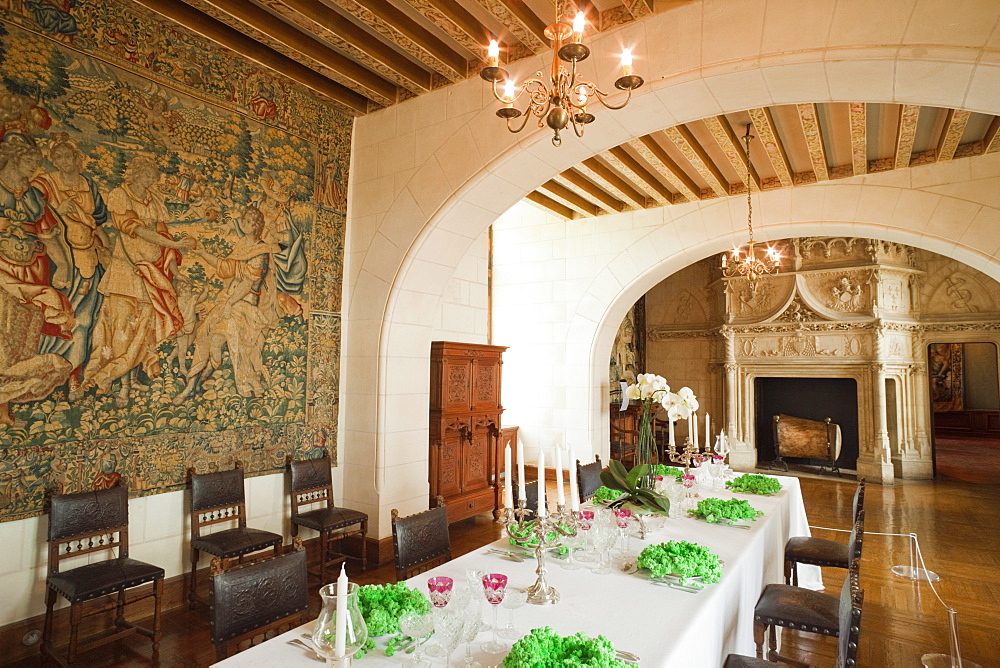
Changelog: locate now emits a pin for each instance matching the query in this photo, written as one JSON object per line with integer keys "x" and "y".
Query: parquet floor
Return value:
{"x": 958, "y": 529}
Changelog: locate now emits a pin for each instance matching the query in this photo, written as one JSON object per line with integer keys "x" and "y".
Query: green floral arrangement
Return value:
{"x": 754, "y": 483}
{"x": 606, "y": 495}
{"x": 544, "y": 648}
{"x": 383, "y": 605}
{"x": 664, "y": 470}
{"x": 681, "y": 558}
{"x": 728, "y": 510}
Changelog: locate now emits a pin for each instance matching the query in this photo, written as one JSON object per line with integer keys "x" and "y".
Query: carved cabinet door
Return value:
{"x": 478, "y": 456}
{"x": 456, "y": 385}
{"x": 449, "y": 455}
{"x": 485, "y": 388}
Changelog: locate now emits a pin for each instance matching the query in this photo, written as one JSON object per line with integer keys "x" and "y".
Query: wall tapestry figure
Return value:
{"x": 947, "y": 376}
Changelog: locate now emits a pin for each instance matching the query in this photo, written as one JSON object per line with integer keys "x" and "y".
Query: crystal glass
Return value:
{"x": 324, "y": 634}
{"x": 586, "y": 518}
{"x": 571, "y": 542}
{"x": 622, "y": 518}
{"x": 474, "y": 578}
{"x": 448, "y": 629}
{"x": 494, "y": 586}
{"x": 604, "y": 533}
{"x": 512, "y": 600}
{"x": 470, "y": 629}
{"x": 676, "y": 492}
{"x": 440, "y": 588}
{"x": 416, "y": 625}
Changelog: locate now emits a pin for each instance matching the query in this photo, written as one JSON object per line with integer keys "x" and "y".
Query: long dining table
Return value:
{"x": 663, "y": 626}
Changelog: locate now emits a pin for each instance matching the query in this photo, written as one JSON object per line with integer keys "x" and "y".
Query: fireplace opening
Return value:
{"x": 813, "y": 399}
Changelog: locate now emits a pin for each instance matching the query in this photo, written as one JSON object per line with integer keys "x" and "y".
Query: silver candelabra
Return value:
{"x": 548, "y": 532}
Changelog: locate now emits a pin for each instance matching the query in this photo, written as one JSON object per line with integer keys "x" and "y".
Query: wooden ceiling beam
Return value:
{"x": 734, "y": 150}
{"x": 457, "y": 23}
{"x": 809, "y": 120}
{"x": 623, "y": 161}
{"x": 665, "y": 166}
{"x": 638, "y": 9}
{"x": 909, "y": 114}
{"x": 618, "y": 186}
{"x": 858, "y": 113}
{"x": 694, "y": 153}
{"x": 523, "y": 23}
{"x": 316, "y": 18}
{"x": 555, "y": 207}
{"x": 572, "y": 198}
{"x": 413, "y": 38}
{"x": 261, "y": 25}
{"x": 607, "y": 200}
{"x": 233, "y": 39}
{"x": 767, "y": 134}
{"x": 991, "y": 140}
{"x": 951, "y": 135}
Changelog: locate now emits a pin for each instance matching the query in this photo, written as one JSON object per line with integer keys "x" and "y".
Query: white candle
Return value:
{"x": 340, "y": 644}
{"x": 508, "y": 488}
{"x": 521, "y": 494}
{"x": 541, "y": 484}
{"x": 693, "y": 429}
{"x": 708, "y": 434}
{"x": 670, "y": 432}
{"x": 560, "y": 494}
{"x": 574, "y": 485}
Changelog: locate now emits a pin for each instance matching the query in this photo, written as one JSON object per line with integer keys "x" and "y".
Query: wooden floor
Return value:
{"x": 958, "y": 529}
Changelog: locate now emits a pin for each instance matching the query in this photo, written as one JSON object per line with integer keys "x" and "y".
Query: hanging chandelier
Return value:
{"x": 562, "y": 98}
{"x": 750, "y": 260}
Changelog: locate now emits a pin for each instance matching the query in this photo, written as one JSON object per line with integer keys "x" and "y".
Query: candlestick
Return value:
{"x": 548, "y": 532}
{"x": 708, "y": 434}
{"x": 340, "y": 644}
{"x": 670, "y": 432}
{"x": 693, "y": 429}
{"x": 542, "y": 509}
{"x": 574, "y": 484}
{"x": 521, "y": 494}
{"x": 560, "y": 494}
{"x": 508, "y": 488}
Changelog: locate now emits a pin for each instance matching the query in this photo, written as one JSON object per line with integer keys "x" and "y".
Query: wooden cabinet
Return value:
{"x": 465, "y": 427}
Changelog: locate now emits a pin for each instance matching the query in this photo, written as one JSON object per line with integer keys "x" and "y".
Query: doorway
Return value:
{"x": 965, "y": 410}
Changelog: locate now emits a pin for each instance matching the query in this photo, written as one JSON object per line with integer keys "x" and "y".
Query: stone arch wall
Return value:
{"x": 455, "y": 170}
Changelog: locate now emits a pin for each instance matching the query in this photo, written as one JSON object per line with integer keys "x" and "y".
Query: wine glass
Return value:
{"x": 470, "y": 629}
{"x": 571, "y": 543}
{"x": 622, "y": 518}
{"x": 448, "y": 629}
{"x": 676, "y": 493}
{"x": 474, "y": 578}
{"x": 512, "y": 600}
{"x": 586, "y": 521}
{"x": 494, "y": 586}
{"x": 604, "y": 534}
{"x": 440, "y": 588}
{"x": 416, "y": 625}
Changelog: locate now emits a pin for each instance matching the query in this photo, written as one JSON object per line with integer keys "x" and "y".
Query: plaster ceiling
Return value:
{"x": 364, "y": 55}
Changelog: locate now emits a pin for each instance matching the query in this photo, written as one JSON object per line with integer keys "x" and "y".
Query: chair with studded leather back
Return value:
{"x": 588, "y": 478}
{"x": 90, "y": 522}
{"x": 421, "y": 541}
{"x": 217, "y": 498}
{"x": 258, "y": 600}
{"x": 827, "y": 553}
{"x": 848, "y": 634}
{"x": 806, "y": 611}
{"x": 311, "y": 484}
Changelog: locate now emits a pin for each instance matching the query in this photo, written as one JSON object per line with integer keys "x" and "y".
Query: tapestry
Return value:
{"x": 947, "y": 376}
{"x": 172, "y": 223}
{"x": 628, "y": 356}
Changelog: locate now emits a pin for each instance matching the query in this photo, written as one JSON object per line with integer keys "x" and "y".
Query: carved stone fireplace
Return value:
{"x": 849, "y": 308}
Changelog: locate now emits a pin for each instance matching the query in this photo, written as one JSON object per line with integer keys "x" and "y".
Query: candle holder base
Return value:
{"x": 542, "y": 594}
{"x": 945, "y": 661}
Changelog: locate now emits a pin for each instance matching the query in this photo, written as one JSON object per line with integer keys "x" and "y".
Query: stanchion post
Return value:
{"x": 954, "y": 660}
{"x": 912, "y": 571}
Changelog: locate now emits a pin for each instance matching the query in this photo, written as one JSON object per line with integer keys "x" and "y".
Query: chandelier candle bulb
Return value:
{"x": 579, "y": 23}
{"x": 542, "y": 512}
{"x": 493, "y": 54}
{"x": 509, "y": 94}
{"x": 627, "y": 62}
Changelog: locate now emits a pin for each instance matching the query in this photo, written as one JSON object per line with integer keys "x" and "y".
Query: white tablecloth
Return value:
{"x": 664, "y": 626}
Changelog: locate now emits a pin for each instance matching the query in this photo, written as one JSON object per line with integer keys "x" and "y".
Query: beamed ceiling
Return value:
{"x": 363, "y": 55}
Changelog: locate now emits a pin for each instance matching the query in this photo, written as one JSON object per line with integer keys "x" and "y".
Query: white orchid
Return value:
{"x": 654, "y": 389}
{"x": 647, "y": 387}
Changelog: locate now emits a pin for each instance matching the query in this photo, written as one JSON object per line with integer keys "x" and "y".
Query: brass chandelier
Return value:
{"x": 562, "y": 98}
{"x": 750, "y": 260}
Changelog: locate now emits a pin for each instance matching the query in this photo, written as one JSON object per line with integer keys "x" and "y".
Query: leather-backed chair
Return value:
{"x": 312, "y": 483}
{"x": 421, "y": 541}
{"x": 258, "y": 600}
{"x": 803, "y": 610}
{"x": 823, "y": 552}
{"x": 89, "y": 522}
{"x": 216, "y": 498}
{"x": 849, "y": 633}
{"x": 588, "y": 478}
{"x": 530, "y": 497}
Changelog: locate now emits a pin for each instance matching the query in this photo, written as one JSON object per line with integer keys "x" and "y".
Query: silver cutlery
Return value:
{"x": 506, "y": 553}
{"x": 313, "y": 654}
{"x": 627, "y": 657}
{"x": 676, "y": 585}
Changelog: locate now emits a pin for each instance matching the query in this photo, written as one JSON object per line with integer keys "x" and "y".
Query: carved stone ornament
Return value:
{"x": 754, "y": 298}
{"x": 810, "y": 246}
{"x": 798, "y": 312}
{"x": 845, "y": 293}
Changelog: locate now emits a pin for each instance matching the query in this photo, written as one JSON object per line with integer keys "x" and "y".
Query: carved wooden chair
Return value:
{"x": 588, "y": 478}
{"x": 257, "y": 601}
{"x": 421, "y": 541}
{"x": 217, "y": 498}
{"x": 848, "y": 635}
{"x": 804, "y": 610}
{"x": 85, "y": 523}
{"x": 827, "y": 553}
{"x": 312, "y": 483}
